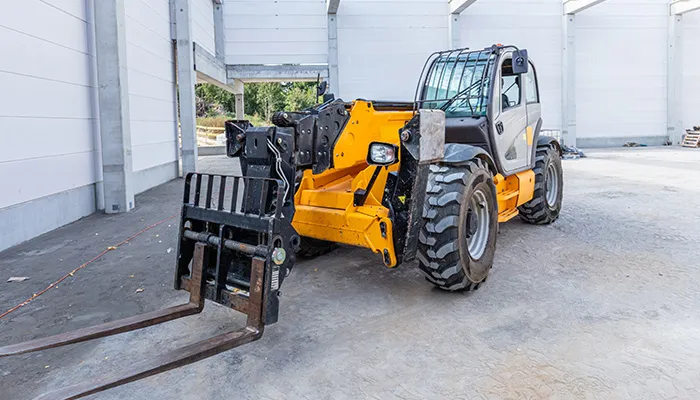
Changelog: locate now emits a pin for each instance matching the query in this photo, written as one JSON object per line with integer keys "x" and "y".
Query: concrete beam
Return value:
{"x": 332, "y": 6}
{"x": 219, "y": 31}
{"x": 113, "y": 97}
{"x": 334, "y": 74}
{"x": 186, "y": 79}
{"x": 674, "y": 87}
{"x": 680, "y": 7}
{"x": 209, "y": 67}
{"x": 457, "y": 6}
{"x": 238, "y": 86}
{"x": 576, "y": 6}
{"x": 275, "y": 73}
{"x": 568, "y": 112}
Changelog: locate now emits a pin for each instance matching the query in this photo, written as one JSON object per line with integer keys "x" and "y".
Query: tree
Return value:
{"x": 270, "y": 99}
{"x": 262, "y": 99}
{"x": 300, "y": 95}
{"x": 212, "y": 99}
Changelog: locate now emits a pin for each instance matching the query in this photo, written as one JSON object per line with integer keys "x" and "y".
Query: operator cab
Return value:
{"x": 490, "y": 99}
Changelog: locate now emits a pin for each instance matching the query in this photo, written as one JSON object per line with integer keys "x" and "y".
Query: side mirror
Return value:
{"x": 520, "y": 62}
{"x": 321, "y": 88}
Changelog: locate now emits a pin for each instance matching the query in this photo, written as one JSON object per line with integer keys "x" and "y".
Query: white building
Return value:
{"x": 89, "y": 117}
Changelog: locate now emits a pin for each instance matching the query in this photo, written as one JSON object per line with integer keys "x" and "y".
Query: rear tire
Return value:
{"x": 310, "y": 248}
{"x": 545, "y": 206}
{"x": 460, "y": 220}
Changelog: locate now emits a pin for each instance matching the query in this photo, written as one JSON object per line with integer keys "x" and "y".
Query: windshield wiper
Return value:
{"x": 461, "y": 93}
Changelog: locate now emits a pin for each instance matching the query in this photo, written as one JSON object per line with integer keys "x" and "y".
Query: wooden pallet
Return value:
{"x": 691, "y": 139}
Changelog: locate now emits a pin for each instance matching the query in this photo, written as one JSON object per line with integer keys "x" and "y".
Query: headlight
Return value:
{"x": 382, "y": 154}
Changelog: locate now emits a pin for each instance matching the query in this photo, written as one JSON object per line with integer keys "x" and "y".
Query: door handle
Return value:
{"x": 499, "y": 127}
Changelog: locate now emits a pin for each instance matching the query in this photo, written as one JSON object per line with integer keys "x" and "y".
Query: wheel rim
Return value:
{"x": 478, "y": 224}
{"x": 551, "y": 183}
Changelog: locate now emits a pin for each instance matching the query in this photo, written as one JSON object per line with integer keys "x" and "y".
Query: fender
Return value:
{"x": 549, "y": 141}
{"x": 459, "y": 153}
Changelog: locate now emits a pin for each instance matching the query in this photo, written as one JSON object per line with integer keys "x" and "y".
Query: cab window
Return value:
{"x": 531, "y": 90}
{"x": 510, "y": 86}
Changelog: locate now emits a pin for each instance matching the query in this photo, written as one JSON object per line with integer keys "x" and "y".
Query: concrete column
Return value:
{"x": 113, "y": 97}
{"x": 333, "y": 74}
{"x": 240, "y": 106}
{"x": 186, "y": 79}
{"x": 95, "y": 105}
{"x": 568, "y": 112}
{"x": 219, "y": 32}
{"x": 674, "y": 107}
{"x": 453, "y": 31}
{"x": 239, "y": 97}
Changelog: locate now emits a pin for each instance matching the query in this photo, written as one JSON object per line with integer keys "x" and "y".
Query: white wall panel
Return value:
{"x": 621, "y": 69}
{"x": 45, "y": 22}
{"x": 691, "y": 69}
{"x": 46, "y": 120}
{"x": 75, "y": 8}
{"x": 382, "y": 45}
{"x": 32, "y": 97}
{"x": 25, "y": 138}
{"x": 202, "y": 12}
{"x": 35, "y": 57}
{"x": 152, "y": 101}
{"x": 276, "y": 32}
{"x": 33, "y": 178}
{"x": 534, "y": 25}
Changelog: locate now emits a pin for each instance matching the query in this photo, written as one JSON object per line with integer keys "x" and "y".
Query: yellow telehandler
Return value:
{"x": 427, "y": 180}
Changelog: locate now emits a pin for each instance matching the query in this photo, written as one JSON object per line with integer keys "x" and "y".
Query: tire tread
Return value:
{"x": 438, "y": 249}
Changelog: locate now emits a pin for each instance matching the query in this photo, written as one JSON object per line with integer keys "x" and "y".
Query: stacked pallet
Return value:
{"x": 692, "y": 138}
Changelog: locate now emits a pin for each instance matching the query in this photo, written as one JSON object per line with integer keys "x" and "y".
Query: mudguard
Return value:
{"x": 459, "y": 153}
{"x": 547, "y": 141}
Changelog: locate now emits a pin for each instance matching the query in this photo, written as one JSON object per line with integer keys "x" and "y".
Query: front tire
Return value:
{"x": 545, "y": 206}
{"x": 460, "y": 220}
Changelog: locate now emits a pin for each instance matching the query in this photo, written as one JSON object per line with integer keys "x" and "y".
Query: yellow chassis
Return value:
{"x": 325, "y": 202}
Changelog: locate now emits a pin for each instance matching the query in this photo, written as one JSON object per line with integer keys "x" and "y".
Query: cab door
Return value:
{"x": 534, "y": 109}
{"x": 510, "y": 119}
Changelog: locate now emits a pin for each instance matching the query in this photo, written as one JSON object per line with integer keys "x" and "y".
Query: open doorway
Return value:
{"x": 262, "y": 99}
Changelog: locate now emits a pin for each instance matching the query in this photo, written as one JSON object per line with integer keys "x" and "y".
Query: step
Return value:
{"x": 507, "y": 215}
{"x": 508, "y": 194}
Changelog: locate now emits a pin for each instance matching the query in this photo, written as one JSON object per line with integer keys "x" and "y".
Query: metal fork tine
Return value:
{"x": 195, "y": 306}
{"x": 98, "y": 331}
{"x": 166, "y": 362}
{"x": 186, "y": 355}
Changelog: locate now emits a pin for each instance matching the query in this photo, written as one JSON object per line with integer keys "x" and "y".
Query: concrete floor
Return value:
{"x": 602, "y": 304}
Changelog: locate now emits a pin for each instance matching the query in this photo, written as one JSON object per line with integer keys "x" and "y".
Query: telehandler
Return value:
{"x": 428, "y": 180}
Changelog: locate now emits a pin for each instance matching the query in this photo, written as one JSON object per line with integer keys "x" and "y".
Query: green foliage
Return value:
{"x": 265, "y": 99}
{"x": 220, "y": 120}
{"x": 256, "y": 120}
{"x": 212, "y": 100}
{"x": 213, "y": 122}
{"x": 300, "y": 95}
{"x": 262, "y": 100}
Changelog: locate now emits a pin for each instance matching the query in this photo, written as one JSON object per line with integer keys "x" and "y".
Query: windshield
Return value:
{"x": 459, "y": 84}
